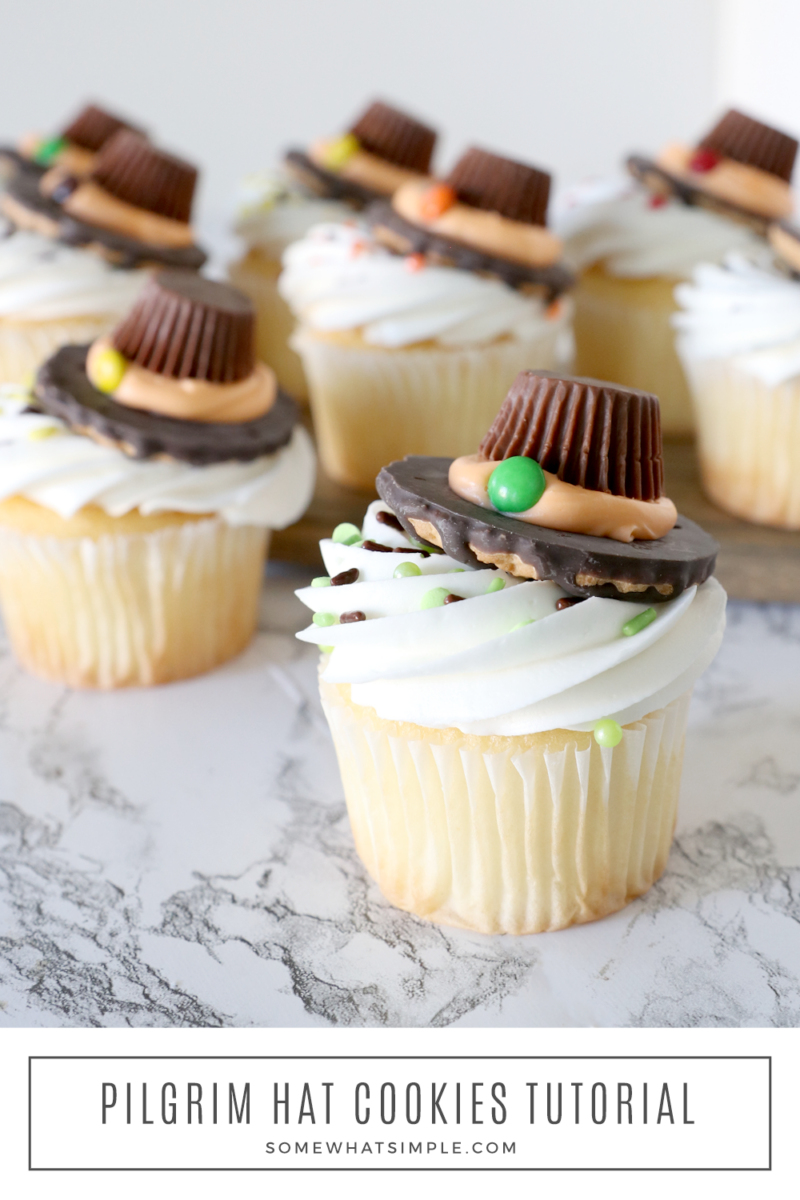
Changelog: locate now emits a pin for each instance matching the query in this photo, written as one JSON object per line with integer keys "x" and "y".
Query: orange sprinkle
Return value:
{"x": 554, "y": 310}
{"x": 415, "y": 262}
{"x": 436, "y": 200}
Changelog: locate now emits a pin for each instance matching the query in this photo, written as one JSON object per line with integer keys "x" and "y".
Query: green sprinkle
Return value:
{"x": 496, "y": 585}
{"x": 637, "y": 624}
{"x": 43, "y": 431}
{"x": 607, "y": 732}
{"x": 48, "y": 150}
{"x": 326, "y": 649}
{"x": 321, "y": 581}
{"x": 457, "y": 571}
{"x": 516, "y": 484}
{"x": 521, "y": 624}
{"x": 404, "y": 570}
{"x": 324, "y": 619}
{"x": 434, "y": 598}
{"x": 346, "y": 534}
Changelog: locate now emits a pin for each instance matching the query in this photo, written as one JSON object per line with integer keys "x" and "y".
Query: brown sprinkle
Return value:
{"x": 451, "y": 599}
{"x": 568, "y": 601}
{"x": 411, "y": 550}
{"x": 388, "y": 518}
{"x": 370, "y": 545}
{"x": 345, "y": 577}
{"x": 348, "y": 618}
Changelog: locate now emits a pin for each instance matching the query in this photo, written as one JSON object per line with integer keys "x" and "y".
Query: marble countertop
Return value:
{"x": 182, "y": 857}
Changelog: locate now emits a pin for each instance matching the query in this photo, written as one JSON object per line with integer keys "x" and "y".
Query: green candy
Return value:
{"x": 48, "y": 150}
{"x": 516, "y": 484}
{"x": 522, "y": 624}
{"x": 457, "y": 571}
{"x": 321, "y": 581}
{"x": 346, "y": 534}
{"x": 326, "y": 649}
{"x": 607, "y": 732}
{"x": 405, "y": 570}
{"x": 325, "y": 619}
{"x": 637, "y": 624}
{"x": 496, "y": 585}
{"x": 435, "y": 598}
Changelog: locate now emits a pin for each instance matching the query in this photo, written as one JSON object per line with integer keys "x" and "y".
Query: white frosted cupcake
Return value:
{"x": 634, "y": 242}
{"x": 512, "y": 762}
{"x": 138, "y": 489}
{"x": 335, "y": 178}
{"x": 739, "y": 342}
{"x": 410, "y": 329}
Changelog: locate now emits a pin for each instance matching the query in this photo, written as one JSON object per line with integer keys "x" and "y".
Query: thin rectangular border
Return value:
{"x": 399, "y": 1058}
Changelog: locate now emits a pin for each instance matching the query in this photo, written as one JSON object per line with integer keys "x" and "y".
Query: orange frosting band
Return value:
{"x": 490, "y": 232}
{"x": 192, "y": 399}
{"x": 568, "y": 507}
{"x": 364, "y": 168}
{"x": 746, "y": 187}
{"x": 93, "y": 204}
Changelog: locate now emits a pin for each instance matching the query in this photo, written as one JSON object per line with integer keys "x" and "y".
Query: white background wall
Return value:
{"x": 570, "y": 85}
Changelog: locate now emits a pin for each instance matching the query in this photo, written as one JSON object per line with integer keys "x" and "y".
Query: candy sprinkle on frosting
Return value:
{"x": 434, "y": 598}
{"x": 608, "y": 733}
{"x": 637, "y": 624}
{"x": 346, "y": 534}
{"x": 405, "y": 570}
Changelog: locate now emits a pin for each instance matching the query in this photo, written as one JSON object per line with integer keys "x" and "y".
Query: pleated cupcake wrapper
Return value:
{"x": 623, "y": 333}
{"x": 274, "y": 324}
{"x": 131, "y": 609}
{"x": 748, "y": 441}
{"x": 509, "y": 835}
{"x": 373, "y": 406}
{"x": 24, "y": 346}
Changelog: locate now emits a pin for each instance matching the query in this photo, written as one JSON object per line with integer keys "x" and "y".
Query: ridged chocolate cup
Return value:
{"x": 395, "y": 137}
{"x": 187, "y": 327}
{"x": 752, "y": 143}
{"x": 597, "y": 435}
{"x": 133, "y": 170}
{"x": 94, "y": 126}
{"x": 490, "y": 182}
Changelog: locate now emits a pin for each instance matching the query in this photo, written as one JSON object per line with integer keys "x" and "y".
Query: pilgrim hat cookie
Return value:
{"x": 384, "y": 149}
{"x": 510, "y": 743}
{"x": 134, "y": 208}
{"x": 74, "y": 149}
{"x": 488, "y": 215}
{"x": 138, "y": 486}
{"x": 567, "y": 486}
{"x": 742, "y": 168}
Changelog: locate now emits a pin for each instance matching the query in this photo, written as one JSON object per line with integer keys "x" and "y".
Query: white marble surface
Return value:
{"x": 182, "y": 857}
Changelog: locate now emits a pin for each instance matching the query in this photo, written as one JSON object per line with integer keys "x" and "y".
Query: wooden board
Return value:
{"x": 755, "y": 562}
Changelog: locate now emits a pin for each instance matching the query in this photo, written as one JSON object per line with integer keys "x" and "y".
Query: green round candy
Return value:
{"x": 496, "y": 585}
{"x": 48, "y": 150}
{"x": 405, "y": 570}
{"x": 346, "y": 534}
{"x": 324, "y": 619}
{"x": 516, "y": 484}
{"x": 457, "y": 571}
{"x": 521, "y": 624}
{"x": 607, "y": 732}
{"x": 107, "y": 369}
{"x": 325, "y": 649}
{"x": 638, "y": 623}
{"x": 321, "y": 581}
{"x": 434, "y": 598}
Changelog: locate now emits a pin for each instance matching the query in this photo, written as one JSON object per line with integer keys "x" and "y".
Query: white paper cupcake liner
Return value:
{"x": 24, "y": 345}
{"x": 623, "y": 334}
{"x": 509, "y": 834}
{"x": 748, "y": 441}
{"x": 257, "y": 276}
{"x": 134, "y": 608}
{"x": 372, "y": 406}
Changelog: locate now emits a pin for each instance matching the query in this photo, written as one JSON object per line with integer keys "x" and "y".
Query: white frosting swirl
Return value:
{"x": 42, "y": 460}
{"x": 747, "y": 311}
{"x": 339, "y": 278}
{"x": 616, "y": 222}
{"x": 273, "y": 212}
{"x": 466, "y": 665}
{"x": 43, "y": 280}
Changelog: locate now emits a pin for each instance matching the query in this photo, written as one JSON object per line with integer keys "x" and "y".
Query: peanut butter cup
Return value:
{"x": 603, "y": 438}
{"x": 383, "y": 131}
{"x": 94, "y": 126}
{"x": 88, "y": 131}
{"x": 183, "y": 327}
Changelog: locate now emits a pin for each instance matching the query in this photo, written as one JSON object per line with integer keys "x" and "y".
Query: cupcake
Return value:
{"x": 739, "y": 342}
{"x": 510, "y": 741}
{"x": 330, "y": 181}
{"x": 137, "y": 488}
{"x": 75, "y": 149}
{"x": 412, "y": 325}
{"x": 73, "y": 262}
{"x": 633, "y": 242}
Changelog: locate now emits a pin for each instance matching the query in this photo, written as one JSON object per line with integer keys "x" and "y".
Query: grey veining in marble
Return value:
{"x": 182, "y": 857}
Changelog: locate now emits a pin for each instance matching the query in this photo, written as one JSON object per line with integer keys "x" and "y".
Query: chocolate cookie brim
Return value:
{"x": 14, "y": 162}
{"x": 417, "y": 489}
{"x": 407, "y": 238}
{"x": 648, "y": 172}
{"x": 63, "y": 390}
{"x": 123, "y": 251}
{"x": 328, "y": 184}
